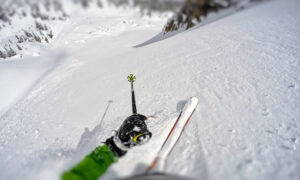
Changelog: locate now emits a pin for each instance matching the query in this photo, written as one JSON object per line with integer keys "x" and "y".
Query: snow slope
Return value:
{"x": 18, "y": 77}
{"x": 244, "y": 69}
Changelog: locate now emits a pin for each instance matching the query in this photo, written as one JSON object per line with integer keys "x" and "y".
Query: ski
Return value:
{"x": 159, "y": 163}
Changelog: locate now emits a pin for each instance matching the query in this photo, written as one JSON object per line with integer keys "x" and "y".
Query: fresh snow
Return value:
{"x": 244, "y": 69}
{"x": 18, "y": 77}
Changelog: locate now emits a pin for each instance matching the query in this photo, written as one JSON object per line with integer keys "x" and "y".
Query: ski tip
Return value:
{"x": 194, "y": 99}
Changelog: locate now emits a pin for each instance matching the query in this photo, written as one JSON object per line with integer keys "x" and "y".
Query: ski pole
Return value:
{"x": 131, "y": 78}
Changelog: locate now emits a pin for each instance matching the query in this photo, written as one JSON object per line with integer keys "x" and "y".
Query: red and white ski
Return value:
{"x": 159, "y": 163}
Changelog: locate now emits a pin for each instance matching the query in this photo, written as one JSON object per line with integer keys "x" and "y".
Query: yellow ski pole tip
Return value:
{"x": 131, "y": 78}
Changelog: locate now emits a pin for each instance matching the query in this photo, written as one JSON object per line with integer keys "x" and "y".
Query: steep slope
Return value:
{"x": 27, "y": 24}
{"x": 194, "y": 12}
{"x": 244, "y": 69}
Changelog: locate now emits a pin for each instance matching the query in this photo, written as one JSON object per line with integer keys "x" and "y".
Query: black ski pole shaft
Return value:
{"x": 134, "y": 111}
{"x": 131, "y": 79}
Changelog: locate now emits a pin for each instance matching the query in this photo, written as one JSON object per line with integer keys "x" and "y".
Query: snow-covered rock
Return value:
{"x": 194, "y": 12}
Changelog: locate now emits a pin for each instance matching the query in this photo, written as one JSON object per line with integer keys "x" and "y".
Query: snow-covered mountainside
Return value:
{"x": 25, "y": 24}
{"x": 194, "y": 12}
{"x": 60, "y": 104}
{"x": 29, "y": 25}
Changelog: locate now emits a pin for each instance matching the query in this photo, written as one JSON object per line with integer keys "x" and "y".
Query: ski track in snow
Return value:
{"x": 244, "y": 69}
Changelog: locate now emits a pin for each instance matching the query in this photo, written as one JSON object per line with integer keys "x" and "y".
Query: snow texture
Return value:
{"x": 244, "y": 69}
{"x": 17, "y": 78}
